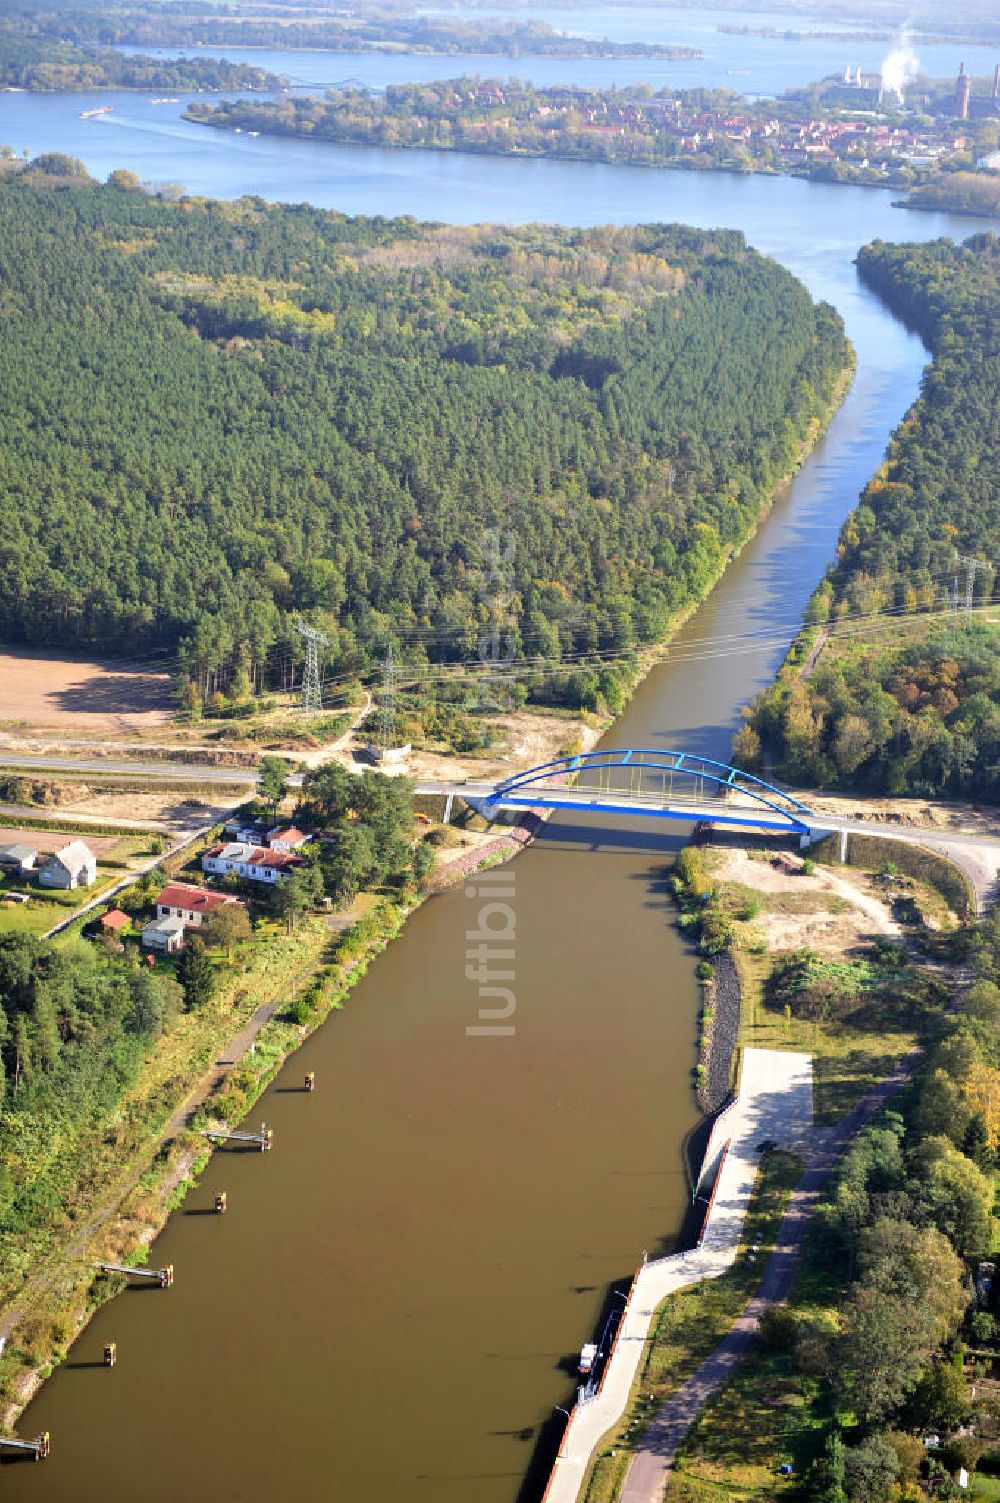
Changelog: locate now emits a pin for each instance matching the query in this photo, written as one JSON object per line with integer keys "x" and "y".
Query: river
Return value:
{"x": 764, "y": 65}
{"x": 386, "y": 1312}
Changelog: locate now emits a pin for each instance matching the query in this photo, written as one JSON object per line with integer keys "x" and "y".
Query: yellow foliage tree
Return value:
{"x": 981, "y": 1089}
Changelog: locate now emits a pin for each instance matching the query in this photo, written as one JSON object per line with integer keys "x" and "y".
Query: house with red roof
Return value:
{"x": 256, "y": 863}
{"x": 192, "y": 905}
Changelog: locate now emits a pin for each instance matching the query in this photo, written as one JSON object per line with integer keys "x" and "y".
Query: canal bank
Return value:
{"x": 344, "y": 1285}
{"x": 234, "y": 1089}
{"x": 774, "y": 1104}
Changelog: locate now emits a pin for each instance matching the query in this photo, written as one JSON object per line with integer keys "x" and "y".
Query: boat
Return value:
{"x": 588, "y": 1356}
{"x": 253, "y": 133}
{"x": 102, "y": 109}
{"x": 164, "y": 101}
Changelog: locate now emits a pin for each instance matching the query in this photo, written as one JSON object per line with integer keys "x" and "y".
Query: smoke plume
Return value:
{"x": 899, "y": 67}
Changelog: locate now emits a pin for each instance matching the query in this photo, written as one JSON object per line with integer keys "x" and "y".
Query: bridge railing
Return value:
{"x": 641, "y": 765}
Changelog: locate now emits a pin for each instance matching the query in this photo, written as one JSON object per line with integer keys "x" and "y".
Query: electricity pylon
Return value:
{"x": 972, "y": 568}
{"x": 312, "y": 693}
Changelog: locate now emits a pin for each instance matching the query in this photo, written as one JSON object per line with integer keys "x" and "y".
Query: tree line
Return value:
{"x": 382, "y": 28}
{"x": 49, "y": 64}
{"x": 901, "y": 1232}
{"x": 913, "y": 704}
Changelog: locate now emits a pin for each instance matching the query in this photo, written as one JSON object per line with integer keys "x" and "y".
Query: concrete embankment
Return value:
{"x": 719, "y": 1033}
{"x": 774, "y": 1104}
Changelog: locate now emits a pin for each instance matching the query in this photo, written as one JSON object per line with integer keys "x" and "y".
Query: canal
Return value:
{"x": 387, "y": 1312}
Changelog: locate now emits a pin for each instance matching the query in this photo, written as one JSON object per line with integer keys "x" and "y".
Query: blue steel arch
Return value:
{"x": 686, "y": 764}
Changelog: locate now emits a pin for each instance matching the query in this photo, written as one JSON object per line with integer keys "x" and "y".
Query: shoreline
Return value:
{"x": 467, "y": 149}
{"x": 178, "y": 1173}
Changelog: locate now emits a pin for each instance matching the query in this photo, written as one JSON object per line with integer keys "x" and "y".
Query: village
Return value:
{"x": 858, "y": 126}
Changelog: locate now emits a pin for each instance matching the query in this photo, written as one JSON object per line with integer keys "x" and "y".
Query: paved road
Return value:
{"x": 183, "y": 772}
{"x": 977, "y": 855}
{"x": 651, "y": 1465}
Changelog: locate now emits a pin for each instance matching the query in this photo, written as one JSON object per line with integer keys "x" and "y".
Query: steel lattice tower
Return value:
{"x": 312, "y": 691}
{"x": 972, "y": 568}
{"x": 387, "y": 717}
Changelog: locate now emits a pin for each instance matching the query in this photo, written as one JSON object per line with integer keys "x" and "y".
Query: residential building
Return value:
{"x": 74, "y": 865}
{"x": 287, "y": 839}
{"x": 256, "y": 863}
{"x": 191, "y": 904}
{"x": 17, "y": 860}
{"x": 257, "y": 833}
{"x": 165, "y": 935}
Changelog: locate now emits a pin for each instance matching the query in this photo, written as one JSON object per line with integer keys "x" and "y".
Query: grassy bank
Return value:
{"x": 824, "y": 967}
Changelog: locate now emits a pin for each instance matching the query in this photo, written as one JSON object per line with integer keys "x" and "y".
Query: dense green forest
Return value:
{"x": 898, "y": 1238}
{"x": 48, "y": 65}
{"x": 377, "y": 29}
{"x": 904, "y": 697}
{"x": 218, "y": 415}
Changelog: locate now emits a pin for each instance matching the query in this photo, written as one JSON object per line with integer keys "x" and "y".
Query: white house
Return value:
{"x": 75, "y": 865}
{"x": 165, "y": 934}
{"x": 17, "y": 860}
{"x": 256, "y": 863}
{"x": 287, "y": 839}
{"x": 191, "y": 904}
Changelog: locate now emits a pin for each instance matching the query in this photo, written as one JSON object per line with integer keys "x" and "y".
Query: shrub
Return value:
{"x": 299, "y": 1012}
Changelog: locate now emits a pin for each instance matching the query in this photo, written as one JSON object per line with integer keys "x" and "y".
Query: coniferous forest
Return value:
{"x": 219, "y": 415}
{"x": 904, "y": 696}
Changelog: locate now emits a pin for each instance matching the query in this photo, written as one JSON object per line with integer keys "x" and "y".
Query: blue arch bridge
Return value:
{"x": 662, "y": 784}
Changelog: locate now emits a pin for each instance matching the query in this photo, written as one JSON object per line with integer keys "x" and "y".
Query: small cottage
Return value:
{"x": 75, "y": 865}
{"x": 17, "y": 860}
{"x": 114, "y": 921}
{"x": 165, "y": 935}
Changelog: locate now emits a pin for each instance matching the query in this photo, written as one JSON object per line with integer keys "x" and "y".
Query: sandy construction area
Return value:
{"x": 80, "y": 698}
{"x": 829, "y": 912}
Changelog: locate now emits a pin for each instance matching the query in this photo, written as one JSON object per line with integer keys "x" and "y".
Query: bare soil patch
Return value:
{"x": 528, "y": 739}
{"x": 81, "y": 698}
{"x": 825, "y": 911}
{"x": 910, "y": 813}
{"x": 166, "y": 807}
{"x": 54, "y": 840}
